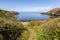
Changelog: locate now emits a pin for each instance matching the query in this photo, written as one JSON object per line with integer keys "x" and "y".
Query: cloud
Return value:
{"x": 35, "y": 9}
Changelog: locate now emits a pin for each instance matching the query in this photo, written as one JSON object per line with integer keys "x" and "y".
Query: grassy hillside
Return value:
{"x": 5, "y": 17}
{"x": 10, "y": 28}
{"x": 49, "y": 30}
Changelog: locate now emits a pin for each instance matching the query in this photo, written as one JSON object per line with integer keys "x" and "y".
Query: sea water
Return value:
{"x": 32, "y": 16}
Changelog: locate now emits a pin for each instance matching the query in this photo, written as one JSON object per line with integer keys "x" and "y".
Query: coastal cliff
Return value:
{"x": 12, "y": 14}
{"x": 53, "y": 13}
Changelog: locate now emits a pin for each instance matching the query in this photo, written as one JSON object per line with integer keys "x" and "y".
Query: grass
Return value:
{"x": 49, "y": 30}
{"x": 25, "y": 35}
{"x": 11, "y": 23}
{"x": 44, "y": 29}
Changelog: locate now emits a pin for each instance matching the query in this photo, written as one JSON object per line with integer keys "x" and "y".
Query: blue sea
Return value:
{"x": 32, "y": 16}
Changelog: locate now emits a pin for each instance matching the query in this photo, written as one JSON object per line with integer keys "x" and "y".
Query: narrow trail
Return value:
{"x": 32, "y": 35}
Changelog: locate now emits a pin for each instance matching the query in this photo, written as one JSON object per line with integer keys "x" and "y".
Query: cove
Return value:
{"x": 32, "y": 16}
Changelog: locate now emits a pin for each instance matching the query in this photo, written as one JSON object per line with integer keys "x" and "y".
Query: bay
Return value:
{"x": 32, "y": 16}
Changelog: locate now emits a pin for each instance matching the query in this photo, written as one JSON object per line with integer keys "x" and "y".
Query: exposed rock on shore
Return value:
{"x": 53, "y": 13}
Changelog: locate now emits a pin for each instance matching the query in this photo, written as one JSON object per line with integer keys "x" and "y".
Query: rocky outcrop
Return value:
{"x": 53, "y": 13}
{"x": 12, "y": 14}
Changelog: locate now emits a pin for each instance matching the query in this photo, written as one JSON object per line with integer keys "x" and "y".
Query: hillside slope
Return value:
{"x": 10, "y": 28}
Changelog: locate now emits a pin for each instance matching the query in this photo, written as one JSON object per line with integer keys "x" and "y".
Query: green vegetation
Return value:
{"x": 34, "y": 30}
{"x": 10, "y": 28}
{"x": 47, "y": 29}
{"x": 50, "y": 30}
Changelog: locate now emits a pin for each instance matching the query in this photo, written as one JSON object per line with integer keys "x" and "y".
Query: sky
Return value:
{"x": 29, "y": 5}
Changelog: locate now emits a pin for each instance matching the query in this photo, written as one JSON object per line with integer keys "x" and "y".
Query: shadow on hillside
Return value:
{"x": 11, "y": 34}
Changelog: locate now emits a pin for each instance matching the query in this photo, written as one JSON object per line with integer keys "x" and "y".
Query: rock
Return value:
{"x": 14, "y": 14}
{"x": 53, "y": 13}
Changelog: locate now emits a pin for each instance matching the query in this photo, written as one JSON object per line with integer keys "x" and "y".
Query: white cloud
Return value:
{"x": 35, "y": 9}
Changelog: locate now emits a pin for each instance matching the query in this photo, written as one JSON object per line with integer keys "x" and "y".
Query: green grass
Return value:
{"x": 7, "y": 21}
{"x": 25, "y": 35}
{"x": 50, "y": 30}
